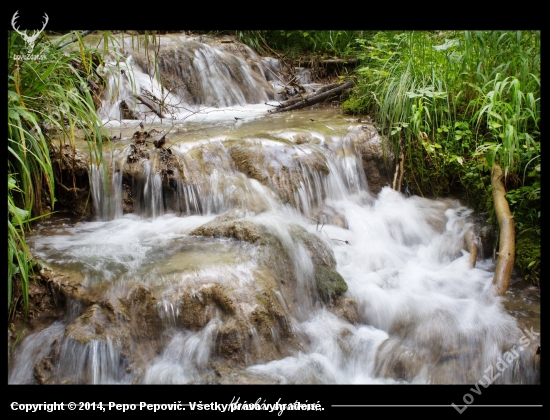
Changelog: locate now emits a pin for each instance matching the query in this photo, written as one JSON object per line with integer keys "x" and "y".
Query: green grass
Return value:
{"x": 463, "y": 101}
{"x": 49, "y": 103}
{"x": 296, "y": 43}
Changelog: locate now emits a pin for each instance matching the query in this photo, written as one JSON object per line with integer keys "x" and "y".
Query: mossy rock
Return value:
{"x": 330, "y": 283}
{"x": 229, "y": 226}
{"x": 319, "y": 251}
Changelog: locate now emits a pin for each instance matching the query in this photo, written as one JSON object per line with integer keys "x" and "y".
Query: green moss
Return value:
{"x": 318, "y": 250}
{"x": 528, "y": 255}
{"x": 354, "y": 106}
{"x": 330, "y": 283}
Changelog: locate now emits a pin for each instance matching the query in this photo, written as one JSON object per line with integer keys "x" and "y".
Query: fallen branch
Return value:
{"x": 401, "y": 169}
{"x": 307, "y": 97}
{"x": 400, "y": 166}
{"x": 326, "y": 88}
{"x": 277, "y": 106}
{"x": 396, "y": 174}
{"x": 74, "y": 190}
{"x": 507, "y": 238}
{"x": 334, "y": 239}
{"x": 314, "y": 99}
{"x": 328, "y": 62}
{"x": 277, "y": 76}
{"x": 150, "y": 105}
{"x": 294, "y": 101}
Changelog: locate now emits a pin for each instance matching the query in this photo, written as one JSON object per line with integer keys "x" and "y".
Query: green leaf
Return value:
{"x": 23, "y": 214}
{"x": 11, "y": 182}
{"x": 13, "y": 96}
{"x": 13, "y": 114}
{"x": 494, "y": 114}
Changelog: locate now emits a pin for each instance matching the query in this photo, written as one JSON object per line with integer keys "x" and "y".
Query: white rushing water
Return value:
{"x": 225, "y": 308}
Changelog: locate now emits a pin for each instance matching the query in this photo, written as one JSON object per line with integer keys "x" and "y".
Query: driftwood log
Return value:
{"x": 311, "y": 95}
{"x": 507, "y": 238}
{"x": 329, "y": 62}
{"x": 312, "y": 99}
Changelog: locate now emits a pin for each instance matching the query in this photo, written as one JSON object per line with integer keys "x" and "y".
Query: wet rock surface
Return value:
{"x": 375, "y": 154}
{"x": 230, "y": 225}
{"x": 251, "y": 323}
{"x": 70, "y": 167}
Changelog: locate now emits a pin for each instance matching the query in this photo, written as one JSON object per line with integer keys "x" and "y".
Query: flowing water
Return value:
{"x": 256, "y": 252}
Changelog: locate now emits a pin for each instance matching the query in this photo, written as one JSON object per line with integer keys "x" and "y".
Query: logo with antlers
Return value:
{"x": 29, "y": 39}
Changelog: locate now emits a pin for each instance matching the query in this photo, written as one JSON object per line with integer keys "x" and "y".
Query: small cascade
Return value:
{"x": 185, "y": 358}
{"x": 35, "y": 348}
{"x": 152, "y": 192}
{"x": 214, "y": 177}
{"x": 169, "y": 313}
{"x": 127, "y": 88}
{"x": 197, "y": 75}
{"x": 97, "y": 187}
{"x": 106, "y": 192}
{"x": 253, "y": 347}
{"x": 302, "y": 265}
{"x": 349, "y": 161}
{"x": 95, "y": 362}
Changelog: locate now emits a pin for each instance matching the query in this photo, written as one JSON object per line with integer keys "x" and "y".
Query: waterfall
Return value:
{"x": 253, "y": 248}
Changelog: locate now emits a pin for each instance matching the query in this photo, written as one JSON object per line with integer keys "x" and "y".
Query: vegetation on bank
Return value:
{"x": 460, "y": 100}
{"x": 49, "y": 104}
{"x": 463, "y": 101}
{"x": 455, "y": 102}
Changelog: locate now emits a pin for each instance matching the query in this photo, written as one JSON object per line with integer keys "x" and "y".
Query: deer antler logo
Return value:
{"x": 29, "y": 39}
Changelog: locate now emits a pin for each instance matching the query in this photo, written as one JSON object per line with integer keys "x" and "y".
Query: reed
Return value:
{"x": 464, "y": 100}
{"x": 48, "y": 103}
{"x": 433, "y": 85}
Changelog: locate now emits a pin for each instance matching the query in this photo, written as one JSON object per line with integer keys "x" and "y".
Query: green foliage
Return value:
{"x": 294, "y": 43}
{"x": 463, "y": 101}
{"x": 512, "y": 121}
{"x": 18, "y": 255}
{"x": 528, "y": 254}
{"x": 525, "y": 200}
{"x": 48, "y": 100}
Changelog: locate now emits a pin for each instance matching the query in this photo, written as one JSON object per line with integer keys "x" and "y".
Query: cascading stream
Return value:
{"x": 255, "y": 250}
